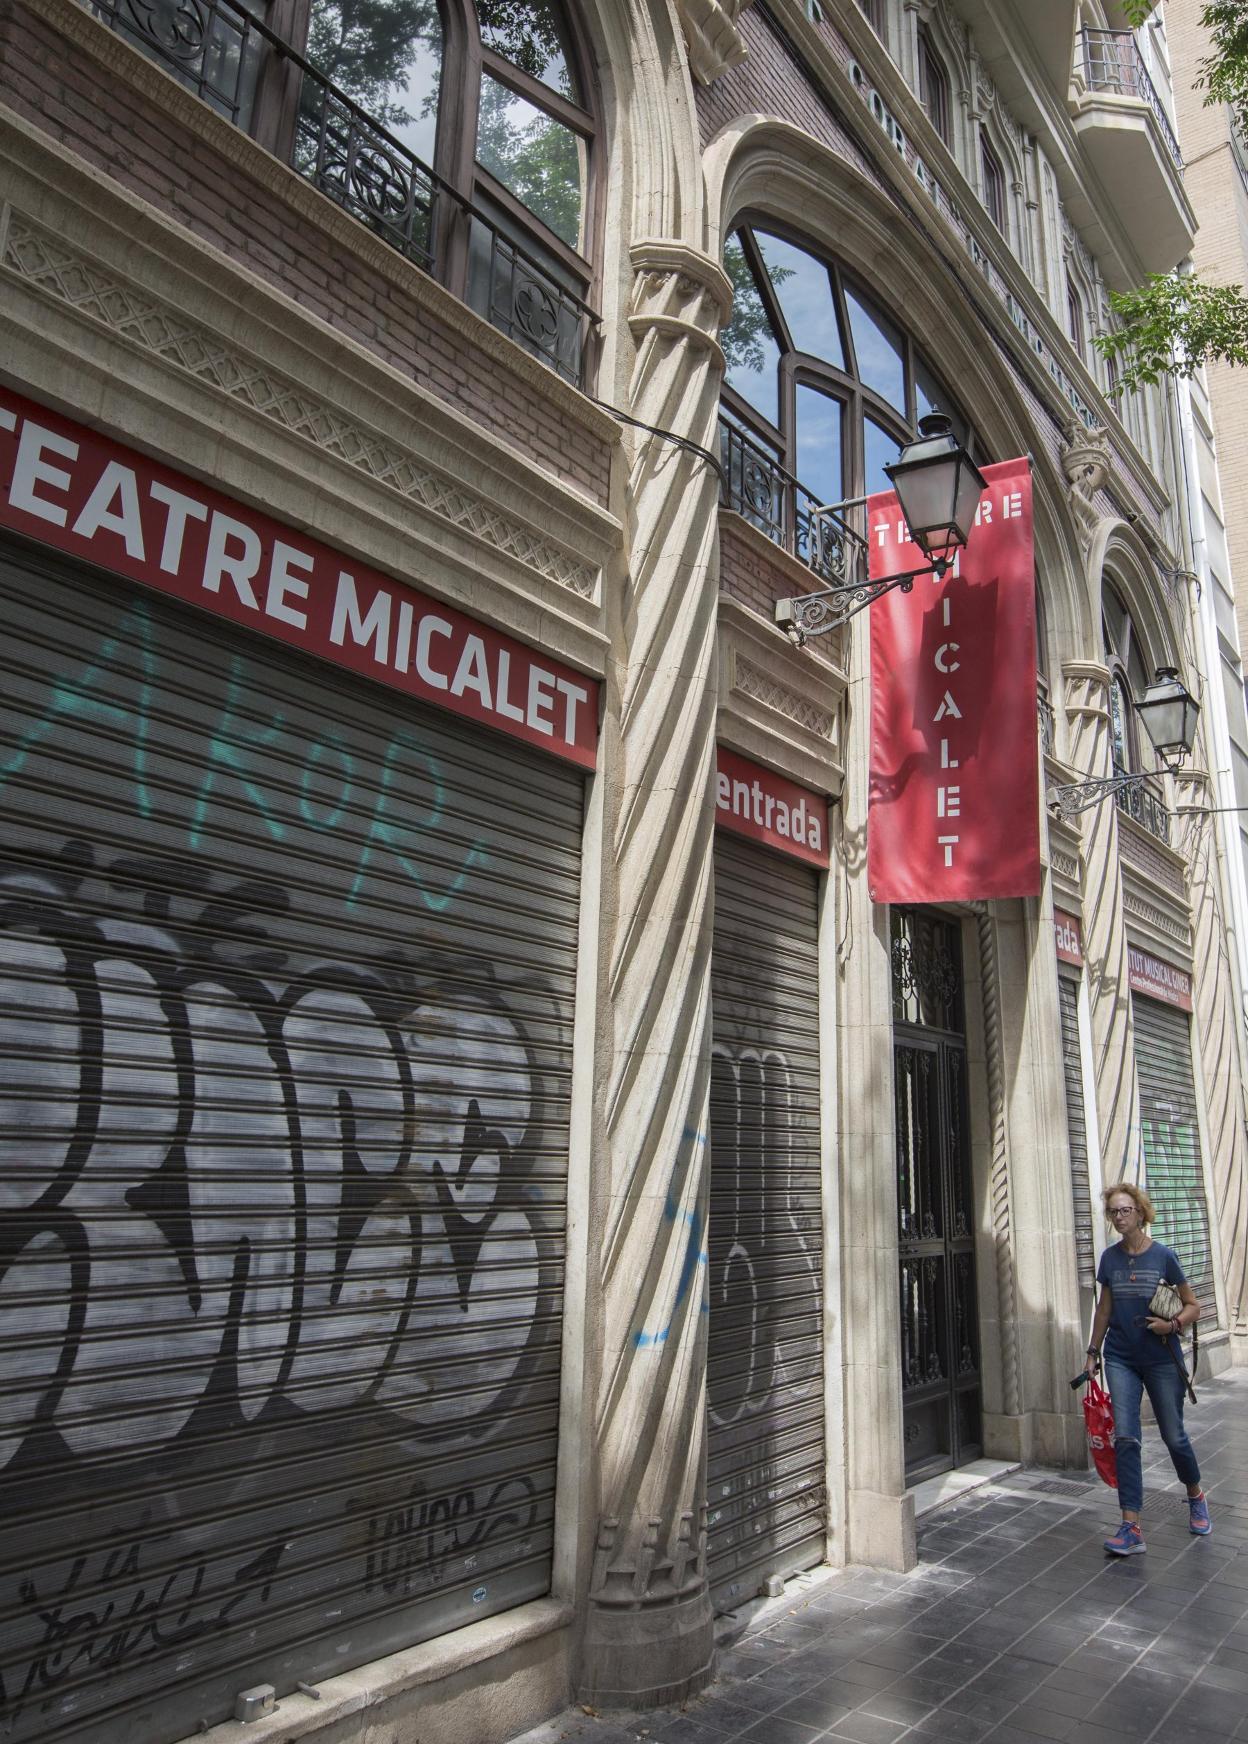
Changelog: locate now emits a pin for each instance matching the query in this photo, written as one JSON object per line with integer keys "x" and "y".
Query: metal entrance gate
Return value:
{"x": 766, "y": 1479}
{"x": 941, "y": 1410}
{"x": 1172, "y": 1171}
{"x": 286, "y": 980}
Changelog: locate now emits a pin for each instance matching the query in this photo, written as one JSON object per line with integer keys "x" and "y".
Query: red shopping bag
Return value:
{"x": 1098, "y": 1414}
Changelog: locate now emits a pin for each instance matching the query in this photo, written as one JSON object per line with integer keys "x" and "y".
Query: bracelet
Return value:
{"x": 1176, "y": 1326}
{"x": 1093, "y": 1350}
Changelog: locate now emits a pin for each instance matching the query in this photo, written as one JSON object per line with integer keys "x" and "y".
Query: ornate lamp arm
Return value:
{"x": 1077, "y": 796}
{"x": 814, "y": 614}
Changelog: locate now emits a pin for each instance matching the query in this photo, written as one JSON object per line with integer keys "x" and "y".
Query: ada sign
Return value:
{"x": 755, "y": 802}
{"x": 68, "y": 487}
{"x": 1068, "y": 937}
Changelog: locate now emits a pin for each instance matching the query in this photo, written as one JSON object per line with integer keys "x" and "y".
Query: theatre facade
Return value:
{"x": 499, "y": 1168}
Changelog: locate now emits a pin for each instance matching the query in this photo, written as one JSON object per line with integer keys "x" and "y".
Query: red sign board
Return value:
{"x": 755, "y": 802}
{"x": 953, "y": 808}
{"x": 1173, "y": 986}
{"x": 71, "y": 488}
{"x": 1068, "y": 937}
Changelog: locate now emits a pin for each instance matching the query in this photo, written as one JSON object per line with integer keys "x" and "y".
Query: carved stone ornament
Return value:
{"x": 712, "y": 37}
{"x": 1085, "y": 461}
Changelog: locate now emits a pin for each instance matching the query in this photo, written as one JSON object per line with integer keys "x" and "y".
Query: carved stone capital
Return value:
{"x": 711, "y": 36}
{"x": 1086, "y": 462}
{"x": 679, "y": 291}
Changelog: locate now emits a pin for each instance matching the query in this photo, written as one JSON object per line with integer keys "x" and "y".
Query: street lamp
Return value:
{"x": 938, "y": 488}
{"x": 1169, "y": 714}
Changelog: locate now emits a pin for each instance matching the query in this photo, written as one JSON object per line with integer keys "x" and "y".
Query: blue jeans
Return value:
{"x": 1164, "y": 1386}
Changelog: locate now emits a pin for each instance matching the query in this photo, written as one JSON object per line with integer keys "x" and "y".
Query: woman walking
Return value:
{"x": 1138, "y": 1359}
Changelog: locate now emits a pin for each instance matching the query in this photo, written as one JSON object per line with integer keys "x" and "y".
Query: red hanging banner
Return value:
{"x": 953, "y": 807}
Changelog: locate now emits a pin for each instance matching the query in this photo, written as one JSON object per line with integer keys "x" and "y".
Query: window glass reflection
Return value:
{"x": 531, "y": 38}
{"x": 877, "y": 343}
{"x": 804, "y": 291}
{"x": 750, "y": 347}
{"x": 819, "y": 444}
{"x": 536, "y": 158}
{"x": 881, "y": 450}
{"x": 930, "y": 396}
{"x": 389, "y": 60}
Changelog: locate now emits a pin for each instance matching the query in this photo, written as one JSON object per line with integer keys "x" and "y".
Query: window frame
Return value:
{"x": 993, "y": 184}
{"x": 796, "y": 368}
{"x": 935, "y": 87}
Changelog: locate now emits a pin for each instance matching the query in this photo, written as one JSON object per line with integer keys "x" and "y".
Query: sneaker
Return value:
{"x": 1198, "y": 1515}
{"x": 1127, "y": 1541}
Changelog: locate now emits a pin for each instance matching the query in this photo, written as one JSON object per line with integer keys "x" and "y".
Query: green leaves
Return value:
{"x": 1174, "y": 324}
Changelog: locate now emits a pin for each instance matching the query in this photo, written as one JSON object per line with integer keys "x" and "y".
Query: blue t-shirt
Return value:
{"x": 1132, "y": 1278}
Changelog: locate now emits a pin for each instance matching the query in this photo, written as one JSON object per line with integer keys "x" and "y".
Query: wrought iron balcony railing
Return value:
{"x": 1112, "y": 62}
{"x": 1145, "y": 802}
{"x": 235, "y": 63}
{"x": 759, "y": 489}
{"x": 1048, "y": 725}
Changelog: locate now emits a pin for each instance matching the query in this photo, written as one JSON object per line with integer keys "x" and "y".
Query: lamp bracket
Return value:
{"x": 1077, "y": 796}
{"x": 814, "y": 614}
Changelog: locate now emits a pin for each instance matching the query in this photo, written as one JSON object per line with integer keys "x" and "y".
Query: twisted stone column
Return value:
{"x": 1086, "y": 695}
{"x": 1216, "y": 1019}
{"x": 648, "y": 1634}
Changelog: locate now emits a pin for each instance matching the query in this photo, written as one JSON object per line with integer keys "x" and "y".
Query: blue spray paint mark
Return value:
{"x": 696, "y": 1254}
{"x": 384, "y": 835}
{"x": 84, "y": 698}
{"x": 225, "y": 755}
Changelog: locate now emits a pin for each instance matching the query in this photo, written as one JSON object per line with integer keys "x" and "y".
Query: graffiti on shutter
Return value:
{"x": 766, "y": 1490}
{"x": 285, "y": 997}
{"x": 1172, "y": 1166}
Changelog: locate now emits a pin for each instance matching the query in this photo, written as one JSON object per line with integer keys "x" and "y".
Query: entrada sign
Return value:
{"x": 69, "y": 487}
{"x": 953, "y": 806}
{"x": 757, "y": 803}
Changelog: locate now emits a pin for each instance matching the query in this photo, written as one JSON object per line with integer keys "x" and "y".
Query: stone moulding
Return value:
{"x": 49, "y": 264}
{"x": 711, "y": 36}
{"x": 775, "y": 704}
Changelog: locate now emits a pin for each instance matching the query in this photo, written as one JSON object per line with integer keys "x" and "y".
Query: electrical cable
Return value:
{"x": 690, "y": 447}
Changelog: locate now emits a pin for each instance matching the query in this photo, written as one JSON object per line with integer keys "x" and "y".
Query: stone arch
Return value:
{"x": 1121, "y": 558}
{"x": 762, "y": 164}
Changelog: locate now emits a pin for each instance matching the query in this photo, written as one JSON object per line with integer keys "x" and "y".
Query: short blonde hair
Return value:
{"x": 1138, "y": 1197}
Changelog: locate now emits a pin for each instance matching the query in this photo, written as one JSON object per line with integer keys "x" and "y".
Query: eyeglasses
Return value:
{"x": 1122, "y": 1210}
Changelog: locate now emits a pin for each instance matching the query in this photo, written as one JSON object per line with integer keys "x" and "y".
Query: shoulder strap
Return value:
{"x": 1177, "y": 1360}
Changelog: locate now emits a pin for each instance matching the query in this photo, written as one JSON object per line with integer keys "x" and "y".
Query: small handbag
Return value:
{"x": 1164, "y": 1304}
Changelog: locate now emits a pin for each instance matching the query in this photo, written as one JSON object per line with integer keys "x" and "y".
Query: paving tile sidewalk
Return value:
{"x": 1014, "y": 1628}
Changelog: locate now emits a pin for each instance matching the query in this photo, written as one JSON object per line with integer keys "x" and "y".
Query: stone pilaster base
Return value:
{"x": 647, "y": 1656}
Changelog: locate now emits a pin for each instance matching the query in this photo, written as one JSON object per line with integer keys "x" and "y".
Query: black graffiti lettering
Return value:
{"x": 151, "y": 1617}
{"x": 409, "y": 1547}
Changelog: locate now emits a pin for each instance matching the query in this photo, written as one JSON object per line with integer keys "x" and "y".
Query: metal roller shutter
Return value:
{"x": 1172, "y": 1171}
{"x": 1077, "y": 1131}
{"x": 285, "y": 1028}
{"x": 766, "y": 1480}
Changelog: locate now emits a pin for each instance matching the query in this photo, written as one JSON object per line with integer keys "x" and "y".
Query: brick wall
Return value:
{"x": 771, "y": 81}
{"x": 56, "y": 84}
{"x": 747, "y": 574}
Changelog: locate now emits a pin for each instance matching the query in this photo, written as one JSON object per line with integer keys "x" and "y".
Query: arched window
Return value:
{"x": 874, "y": 10}
{"x": 934, "y": 88}
{"x": 992, "y": 182}
{"x": 1074, "y": 318}
{"x": 495, "y": 101}
{"x": 1131, "y": 750}
{"x": 821, "y": 390}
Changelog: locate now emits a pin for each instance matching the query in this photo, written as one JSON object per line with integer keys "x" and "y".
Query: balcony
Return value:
{"x": 755, "y": 486}
{"x": 253, "y": 79}
{"x": 1131, "y": 146}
